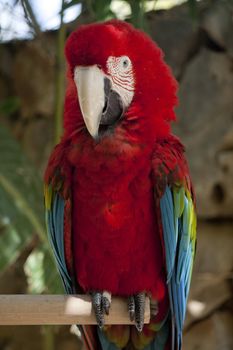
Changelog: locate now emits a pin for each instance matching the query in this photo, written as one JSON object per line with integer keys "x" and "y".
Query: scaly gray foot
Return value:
{"x": 136, "y": 307}
{"x": 101, "y": 302}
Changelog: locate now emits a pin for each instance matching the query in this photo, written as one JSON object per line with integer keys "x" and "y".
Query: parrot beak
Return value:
{"x": 90, "y": 86}
{"x": 101, "y": 106}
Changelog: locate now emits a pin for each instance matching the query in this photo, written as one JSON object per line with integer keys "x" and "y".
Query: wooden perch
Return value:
{"x": 60, "y": 309}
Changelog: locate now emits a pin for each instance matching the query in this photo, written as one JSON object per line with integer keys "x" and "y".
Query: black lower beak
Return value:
{"x": 112, "y": 111}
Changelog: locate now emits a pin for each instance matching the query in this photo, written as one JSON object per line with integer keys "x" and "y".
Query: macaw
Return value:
{"x": 120, "y": 207}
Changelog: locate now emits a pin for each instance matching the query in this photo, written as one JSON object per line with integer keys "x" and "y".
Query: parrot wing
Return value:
{"x": 58, "y": 217}
{"x": 176, "y": 207}
{"x": 54, "y": 217}
{"x": 57, "y": 196}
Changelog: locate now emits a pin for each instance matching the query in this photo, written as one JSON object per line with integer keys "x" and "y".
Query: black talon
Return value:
{"x": 98, "y": 308}
{"x": 106, "y": 305}
{"x": 131, "y": 308}
{"x": 140, "y": 310}
{"x": 101, "y": 303}
{"x": 136, "y": 306}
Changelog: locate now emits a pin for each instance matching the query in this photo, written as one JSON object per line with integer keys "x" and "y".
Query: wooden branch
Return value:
{"x": 59, "y": 309}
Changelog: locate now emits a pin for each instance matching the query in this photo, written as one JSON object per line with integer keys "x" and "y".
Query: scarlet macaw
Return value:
{"x": 120, "y": 209}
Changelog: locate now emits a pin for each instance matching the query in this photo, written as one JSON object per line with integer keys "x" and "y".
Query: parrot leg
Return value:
{"x": 101, "y": 302}
{"x": 136, "y": 307}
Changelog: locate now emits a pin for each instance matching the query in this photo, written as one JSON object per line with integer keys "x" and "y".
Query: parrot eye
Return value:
{"x": 125, "y": 62}
{"x": 120, "y": 72}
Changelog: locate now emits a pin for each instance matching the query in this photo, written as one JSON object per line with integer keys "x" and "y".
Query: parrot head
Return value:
{"x": 120, "y": 78}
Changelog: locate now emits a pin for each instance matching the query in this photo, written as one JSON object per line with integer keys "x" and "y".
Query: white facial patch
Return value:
{"x": 120, "y": 72}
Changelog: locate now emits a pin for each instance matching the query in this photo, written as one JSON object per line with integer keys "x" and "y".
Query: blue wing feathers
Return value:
{"x": 55, "y": 227}
{"x": 55, "y": 247}
{"x": 59, "y": 223}
{"x": 169, "y": 230}
{"x": 177, "y": 221}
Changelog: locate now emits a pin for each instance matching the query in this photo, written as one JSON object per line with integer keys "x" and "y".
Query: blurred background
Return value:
{"x": 197, "y": 39}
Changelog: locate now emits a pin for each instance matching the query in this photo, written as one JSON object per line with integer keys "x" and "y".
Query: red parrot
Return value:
{"x": 120, "y": 209}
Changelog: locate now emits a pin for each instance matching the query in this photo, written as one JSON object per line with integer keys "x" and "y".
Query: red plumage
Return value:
{"x": 114, "y": 225}
{"x": 116, "y": 243}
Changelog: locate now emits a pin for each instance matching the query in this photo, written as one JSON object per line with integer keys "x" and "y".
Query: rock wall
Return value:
{"x": 200, "y": 54}
{"x": 201, "y": 58}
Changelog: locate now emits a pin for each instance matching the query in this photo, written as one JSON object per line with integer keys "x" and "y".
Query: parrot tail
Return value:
{"x": 155, "y": 336}
{"x": 90, "y": 338}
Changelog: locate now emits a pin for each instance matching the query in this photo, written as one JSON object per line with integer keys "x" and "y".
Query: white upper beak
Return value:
{"x": 90, "y": 87}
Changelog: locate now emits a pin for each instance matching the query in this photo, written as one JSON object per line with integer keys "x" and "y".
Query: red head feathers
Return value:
{"x": 153, "y": 89}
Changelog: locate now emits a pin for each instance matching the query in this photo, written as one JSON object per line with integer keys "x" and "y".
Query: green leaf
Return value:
{"x": 21, "y": 204}
{"x": 99, "y": 10}
{"x": 137, "y": 17}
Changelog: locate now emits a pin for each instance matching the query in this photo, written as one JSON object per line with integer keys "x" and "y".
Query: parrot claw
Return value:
{"x": 131, "y": 308}
{"x": 136, "y": 307}
{"x": 106, "y": 302}
{"x": 101, "y": 302}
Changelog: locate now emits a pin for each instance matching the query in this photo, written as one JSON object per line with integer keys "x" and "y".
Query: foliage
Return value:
{"x": 21, "y": 209}
{"x": 138, "y": 14}
{"x": 100, "y": 10}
